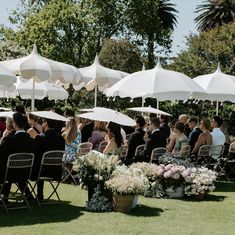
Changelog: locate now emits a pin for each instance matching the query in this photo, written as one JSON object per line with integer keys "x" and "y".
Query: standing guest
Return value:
{"x": 48, "y": 141}
{"x": 218, "y": 137}
{"x": 98, "y": 134}
{"x": 72, "y": 138}
{"x": 87, "y": 130}
{"x": 205, "y": 137}
{"x": 20, "y": 142}
{"x": 181, "y": 138}
{"x": 184, "y": 118}
{"x": 195, "y": 131}
{"x": 136, "y": 138}
{"x": 114, "y": 139}
{"x": 9, "y": 129}
{"x": 164, "y": 128}
{"x": 35, "y": 129}
{"x": 155, "y": 139}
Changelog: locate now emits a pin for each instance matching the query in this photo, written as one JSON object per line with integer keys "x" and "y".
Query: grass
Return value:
{"x": 214, "y": 215}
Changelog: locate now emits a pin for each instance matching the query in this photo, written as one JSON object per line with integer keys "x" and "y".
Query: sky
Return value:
{"x": 185, "y": 24}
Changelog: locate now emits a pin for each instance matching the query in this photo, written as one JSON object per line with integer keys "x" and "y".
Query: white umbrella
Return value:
{"x": 5, "y": 109}
{"x": 107, "y": 115}
{"x": 7, "y": 79}
{"x": 149, "y": 110}
{"x": 54, "y": 91}
{"x": 42, "y": 69}
{"x": 97, "y": 75}
{"x": 7, "y": 114}
{"x": 219, "y": 86}
{"x": 157, "y": 83}
{"x": 50, "y": 115}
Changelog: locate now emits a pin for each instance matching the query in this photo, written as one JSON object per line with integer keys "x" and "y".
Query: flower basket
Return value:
{"x": 175, "y": 192}
{"x": 122, "y": 203}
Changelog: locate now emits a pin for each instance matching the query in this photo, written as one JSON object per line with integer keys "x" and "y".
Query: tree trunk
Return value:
{"x": 150, "y": 44}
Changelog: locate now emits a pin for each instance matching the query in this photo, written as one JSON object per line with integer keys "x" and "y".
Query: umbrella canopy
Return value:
{"x": 5, "y": 109}
{"x": 7, "y": 114}
{"x": 218, "y": 85}
{"x": 7, "y": 79}
{"x": 157, "y": 83}
{"x": 50, "y": 115}
{"x": 149, "y": 110}
{"x": 97, "y": 75}
{"x": 54, "y": 91}
{"x": 107, "y": 115}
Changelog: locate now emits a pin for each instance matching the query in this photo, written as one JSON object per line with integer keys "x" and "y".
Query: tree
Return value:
{"x": 120, "y": 55}
{"x": 214, "y": 13}
{"x": 153, "y": 21}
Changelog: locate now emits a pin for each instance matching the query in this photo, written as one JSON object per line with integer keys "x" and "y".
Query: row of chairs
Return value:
{"x": 19, "y": 166}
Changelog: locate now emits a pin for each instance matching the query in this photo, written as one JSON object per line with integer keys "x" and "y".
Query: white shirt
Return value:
{"x": 218, "y": 137}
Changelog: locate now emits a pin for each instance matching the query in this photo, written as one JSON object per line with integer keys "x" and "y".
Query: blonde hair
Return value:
{"x": 72, "y": 131}
{"x": 101, "y": 126}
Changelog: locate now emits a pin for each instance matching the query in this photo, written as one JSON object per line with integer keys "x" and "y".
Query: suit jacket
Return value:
{"x": 87, "y": 131}
{"x": 155, "y": 140}
{"x": 193, "y": 137}
{"x": 165, "y": 129}
{"x": 18, "y": 143}
{"x": 48, "y": 141}
{"x": 136, "y": 139}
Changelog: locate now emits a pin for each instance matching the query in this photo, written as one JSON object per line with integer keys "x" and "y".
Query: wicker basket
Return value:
{"x": 122, "y": 203}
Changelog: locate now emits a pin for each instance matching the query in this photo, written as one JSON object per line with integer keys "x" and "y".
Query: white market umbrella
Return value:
{"x": 107, "y": 115}
{"x": 7, "y": 114}
{"x": 219, "y": 86}
{"x": 157, "y": 83}
{"x": 149, "y": 110}
{"x": 96, "y": 75}
{"x": 50, "y": 115}
{"x": 42, "y": 69}
{"x": 7, "y": 79}
{"x": 54, "y": 91}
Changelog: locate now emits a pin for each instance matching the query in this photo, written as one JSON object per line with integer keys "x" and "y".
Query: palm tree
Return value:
{"x": 214, "y": 13}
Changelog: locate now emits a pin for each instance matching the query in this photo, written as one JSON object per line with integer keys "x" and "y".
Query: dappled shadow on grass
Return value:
{"x": 62, "y": 212}
{"x": 225, "y": 187}
{"x": 145, "y": 211}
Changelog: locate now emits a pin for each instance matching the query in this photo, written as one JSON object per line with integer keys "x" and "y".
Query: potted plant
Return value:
{"x": 200, "y": 182}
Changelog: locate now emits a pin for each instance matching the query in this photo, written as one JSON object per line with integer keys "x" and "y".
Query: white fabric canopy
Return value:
{"x": 149, "y": 110}
{"x": 99, "y": 76}
{"x": 7, "y": 79}
{"x": 107, "y": 115}
{"x": 50, "y": 115}
{"x": 157, "y": 83}
{"x": 7, "y": 114}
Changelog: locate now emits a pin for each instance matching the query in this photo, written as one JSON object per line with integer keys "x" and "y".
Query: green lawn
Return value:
{"x": 214, "y": 215}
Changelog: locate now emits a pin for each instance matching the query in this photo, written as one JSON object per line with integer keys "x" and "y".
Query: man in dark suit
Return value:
{"x": 48, "y": 141}
{"x": 155, "y": 140}
{"x": 164, "y": 128}
{"x": 195, "y": 131}
{"x": 20, "y": 142}
{"x": 136, "y": 138}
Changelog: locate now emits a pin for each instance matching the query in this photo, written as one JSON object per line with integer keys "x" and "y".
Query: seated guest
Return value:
{"x": 164, "y": 128}
{"x": 72, "y": 138}
{"x": 172, "y": 137}
{"x": 9, "y": 129}
{"x": 218, "y": 137}
{"x": 35, "y": 128}
{"x": 224, "y": 129}
{"x": 195, "y": 131}
{"x": 181, "y": 138}
{"x": 98, "y": 134}
{"x": 86, "y": 130}
{"x": 48, "y": 141}
{"x": 184, "y": 118}
{"x": 2, "y": 125}
{"x": 114, "y": 139}
{"x": 136, "y": 138}
{"x": 205, "y": 137}
{"x": 155, "y": 139}
{"x": 20, "y": 142}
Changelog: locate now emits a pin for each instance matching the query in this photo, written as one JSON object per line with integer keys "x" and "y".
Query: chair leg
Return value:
{"x": 54, "y": 190}
{"x": 32, "y": 191}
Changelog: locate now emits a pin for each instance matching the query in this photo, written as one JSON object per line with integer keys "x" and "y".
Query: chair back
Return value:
{"x": 232, "y": 148}
{"x": 185, "y": 151}
{"x": 19, "y": 167}
{"x": 139, "y": 149}
{"x": 217, "y": 151}
{"x": 123, "y": 151}
{"x": 102, "y": 146}
{"x": 52, "y": 164}
{"x": 156, "y": 153}
{"x": 84, "y": 148}
{"x": 204, "y": 151}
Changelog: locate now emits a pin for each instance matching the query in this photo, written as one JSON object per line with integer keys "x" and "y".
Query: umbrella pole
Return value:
{"x": 142, "y": 106}
{"x": 32, "y": 101}
{"x": 95, "y": 104}
{"x": 217, "y": 108}
{"x": 157, "y": 104}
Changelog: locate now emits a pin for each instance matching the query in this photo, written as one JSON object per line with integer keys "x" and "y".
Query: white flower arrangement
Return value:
{"x": 200, "y": 181}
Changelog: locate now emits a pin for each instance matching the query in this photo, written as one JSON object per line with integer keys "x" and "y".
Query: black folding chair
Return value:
{"x": 18, "y": 170}
{"x": 139, "y": 149}
{"x": 156, "y": 154}
{"x": 51, "y": 170}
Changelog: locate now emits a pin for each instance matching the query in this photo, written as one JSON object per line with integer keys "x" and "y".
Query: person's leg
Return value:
{"x": 40, "y": 185}
{"x": 6, "y": 191}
